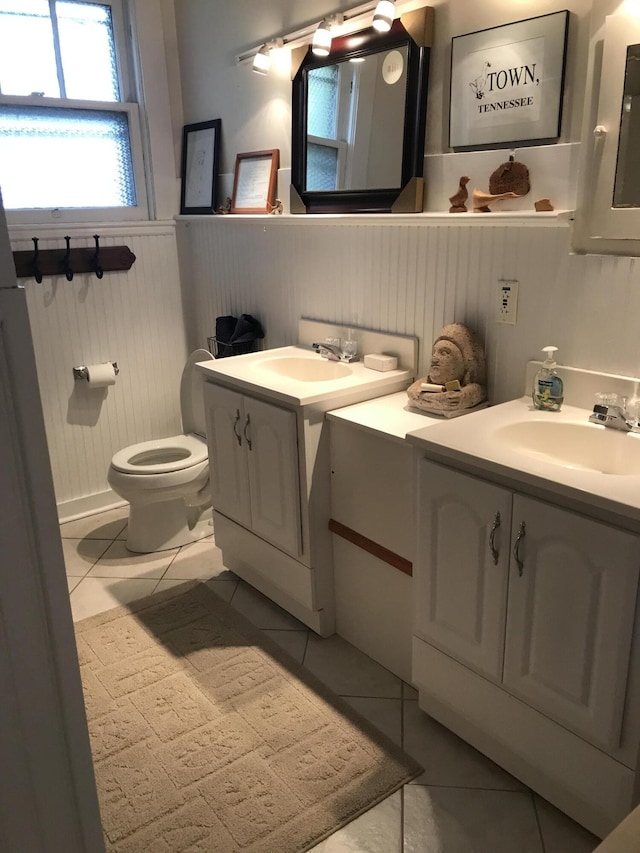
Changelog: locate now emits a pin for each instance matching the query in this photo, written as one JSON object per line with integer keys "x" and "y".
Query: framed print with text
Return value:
{"x": 507, "y": 83}
{"x": 200, "y": 158}
{"x": 254, "y": 183}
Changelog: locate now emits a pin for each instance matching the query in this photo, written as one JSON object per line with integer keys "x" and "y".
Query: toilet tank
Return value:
{"x": 191, "y": 394}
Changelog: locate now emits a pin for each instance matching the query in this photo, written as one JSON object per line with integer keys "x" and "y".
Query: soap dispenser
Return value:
{"x": 548, "y": 392}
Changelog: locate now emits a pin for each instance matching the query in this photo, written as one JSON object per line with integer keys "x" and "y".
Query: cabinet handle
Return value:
{"x": 235, "y": 424}
{"x": 492, "y": 538}
{"x": 516, "y": 548}
{"x": 247, "y": 424}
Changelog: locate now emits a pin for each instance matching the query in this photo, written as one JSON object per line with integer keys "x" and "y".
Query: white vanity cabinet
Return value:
{"x": 269, "y": 460}
{"x": 536, "y": 598}
{"x": 523, "y": 637}
{"x": 254, "y": 476}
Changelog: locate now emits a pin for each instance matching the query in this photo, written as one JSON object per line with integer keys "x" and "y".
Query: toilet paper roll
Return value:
{"x": 101, "y": 375}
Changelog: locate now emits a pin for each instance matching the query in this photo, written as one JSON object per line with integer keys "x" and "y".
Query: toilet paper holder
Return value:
{"x": 83, "y": 373}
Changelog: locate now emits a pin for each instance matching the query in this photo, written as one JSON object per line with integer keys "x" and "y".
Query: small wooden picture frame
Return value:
{"x": 255, "y": 181}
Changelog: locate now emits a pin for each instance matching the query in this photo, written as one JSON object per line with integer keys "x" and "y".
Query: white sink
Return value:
{"x": 316, "y": 369}
{"x": 574, "y": 445}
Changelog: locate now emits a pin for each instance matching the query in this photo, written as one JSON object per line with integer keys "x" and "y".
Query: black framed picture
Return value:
{"x": 200, "y": 159}
{"x": 507, "y": 83}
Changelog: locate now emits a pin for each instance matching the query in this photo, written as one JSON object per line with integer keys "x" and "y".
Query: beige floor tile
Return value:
{"x": 199, "y": 561}
{"x": 293, "y": 642}
{"x": 102, "y": 525}
{"x": 452, "y": 820}
{"x": 348, "y": 671}
{"x": 560, "y": 834}
{"x": 224, "y": 588}
{"x": 72, "y": 583}
{"x": 384, "y": 714}
{"x": 263, "y": 612}
{"x": 447, "y": 759}
{"x": 95, "y": 595}
{"x": 118, "y": 562}
{"x": 81, "y": 554}
{"x": 378, "y": 830}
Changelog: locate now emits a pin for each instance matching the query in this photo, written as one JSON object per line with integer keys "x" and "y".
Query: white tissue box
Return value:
{"x": 380, "y": 361}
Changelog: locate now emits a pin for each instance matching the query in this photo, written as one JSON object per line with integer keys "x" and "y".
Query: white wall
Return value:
{"x": 413, "y": 278}
{"x": 256, "y": 111}
{"x": 134, "y": 318}
{"x": 398, "y": 277}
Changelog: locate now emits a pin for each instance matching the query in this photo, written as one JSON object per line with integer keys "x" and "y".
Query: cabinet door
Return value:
{"x": 570, "y": 618}
{"x": 460, "y": 575}
{"x": 271, "y": 440}
{"x": 227, "y": 458}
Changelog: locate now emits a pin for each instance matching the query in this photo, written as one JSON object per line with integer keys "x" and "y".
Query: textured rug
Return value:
{"x": 208, "y": 738}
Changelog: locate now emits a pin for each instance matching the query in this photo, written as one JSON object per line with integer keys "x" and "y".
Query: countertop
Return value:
{"x": 255, "y": 373}
{"x": 473, "y": 443}
{"x": 385, "y": 416}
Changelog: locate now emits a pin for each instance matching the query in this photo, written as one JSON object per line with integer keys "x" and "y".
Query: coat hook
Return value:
{"x": 66, "y": 264}
{"x": 96, "y": 258}
{"x": 36, "y": 269}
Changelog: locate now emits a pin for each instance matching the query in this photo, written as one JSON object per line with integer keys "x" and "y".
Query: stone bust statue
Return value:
{"x": 457, "y": 362}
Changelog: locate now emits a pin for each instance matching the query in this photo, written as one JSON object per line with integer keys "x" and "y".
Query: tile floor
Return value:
{"x": 462, "y": 803}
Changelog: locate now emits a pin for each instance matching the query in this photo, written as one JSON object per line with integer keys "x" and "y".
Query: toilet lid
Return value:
{"x": 191, "y": 394}
{"x": 161, "y": 456}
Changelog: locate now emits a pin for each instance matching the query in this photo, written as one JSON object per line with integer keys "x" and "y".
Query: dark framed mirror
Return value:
{"x": 359, "y": 119}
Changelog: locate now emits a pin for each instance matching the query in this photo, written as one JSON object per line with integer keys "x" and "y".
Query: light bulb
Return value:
{"x": 321, "y": 44}
{"x": 262, "y": 61}
{"x": 383, "y": 16}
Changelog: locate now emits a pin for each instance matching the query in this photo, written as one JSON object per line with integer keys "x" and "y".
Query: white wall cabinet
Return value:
{"x": 254, "y": 453}
{"x": 537, "y": 604}
{"x": 614, "y": 208}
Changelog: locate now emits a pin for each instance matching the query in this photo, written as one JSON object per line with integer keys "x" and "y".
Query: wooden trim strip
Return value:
{"x": 371, "y": 547}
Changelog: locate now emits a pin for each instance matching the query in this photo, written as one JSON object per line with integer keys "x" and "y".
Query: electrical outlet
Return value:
{"x": 507, "y": 306}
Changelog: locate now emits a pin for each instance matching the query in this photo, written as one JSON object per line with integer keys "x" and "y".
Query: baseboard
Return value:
{"x": 88, "y": 505}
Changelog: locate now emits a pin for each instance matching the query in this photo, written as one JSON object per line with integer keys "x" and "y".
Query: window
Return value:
{"x": 332, "y": 98}
{"x": 70, "y": 145}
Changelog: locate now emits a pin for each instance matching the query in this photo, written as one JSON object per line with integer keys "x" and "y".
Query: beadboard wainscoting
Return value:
{"x": 134, "y": 318}
{"x": 413, "y": 275}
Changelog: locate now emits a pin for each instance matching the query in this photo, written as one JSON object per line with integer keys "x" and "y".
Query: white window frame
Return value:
{"x": 125, "y": 52}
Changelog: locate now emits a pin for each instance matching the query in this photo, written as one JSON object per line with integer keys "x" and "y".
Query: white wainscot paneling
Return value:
{"x": 134, "y": 318}
{"x": 412, "y": 277}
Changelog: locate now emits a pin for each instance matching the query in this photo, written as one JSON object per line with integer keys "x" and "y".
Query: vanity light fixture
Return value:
{"x": 262, "y": 59}
{"x": 384, "y": 15}
{"x": 321, "y": 44}
{"x": 319, "y": 34}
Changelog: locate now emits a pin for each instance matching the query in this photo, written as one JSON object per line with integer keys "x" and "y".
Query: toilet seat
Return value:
{"x": 161, "y": 456}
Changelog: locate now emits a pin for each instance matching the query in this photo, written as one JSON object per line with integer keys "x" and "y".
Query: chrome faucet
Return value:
{"x": 333, "y": 352}
{"x": 614, "y": 417}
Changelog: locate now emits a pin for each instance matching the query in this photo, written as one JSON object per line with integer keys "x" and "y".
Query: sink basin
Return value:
{"x": 307, "y": 369}
{"x": 573, "y": 445}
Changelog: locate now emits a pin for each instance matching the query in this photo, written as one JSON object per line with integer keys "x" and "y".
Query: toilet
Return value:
{"x": 166, "y": 481}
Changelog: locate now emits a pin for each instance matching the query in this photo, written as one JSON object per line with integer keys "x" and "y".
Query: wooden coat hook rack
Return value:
{"x": 68, "y": 262}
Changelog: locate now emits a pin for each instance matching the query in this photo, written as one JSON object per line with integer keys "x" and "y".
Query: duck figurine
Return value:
{"x": 459, "y": 198}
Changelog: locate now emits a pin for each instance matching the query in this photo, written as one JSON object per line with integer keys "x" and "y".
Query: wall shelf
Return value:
{"x": 551, "y": 219}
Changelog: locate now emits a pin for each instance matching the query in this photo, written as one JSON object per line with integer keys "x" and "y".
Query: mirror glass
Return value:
{"x": 355, "y": 122}
{"x": 626, "y": 191}
{"x": 359, "y": 118}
